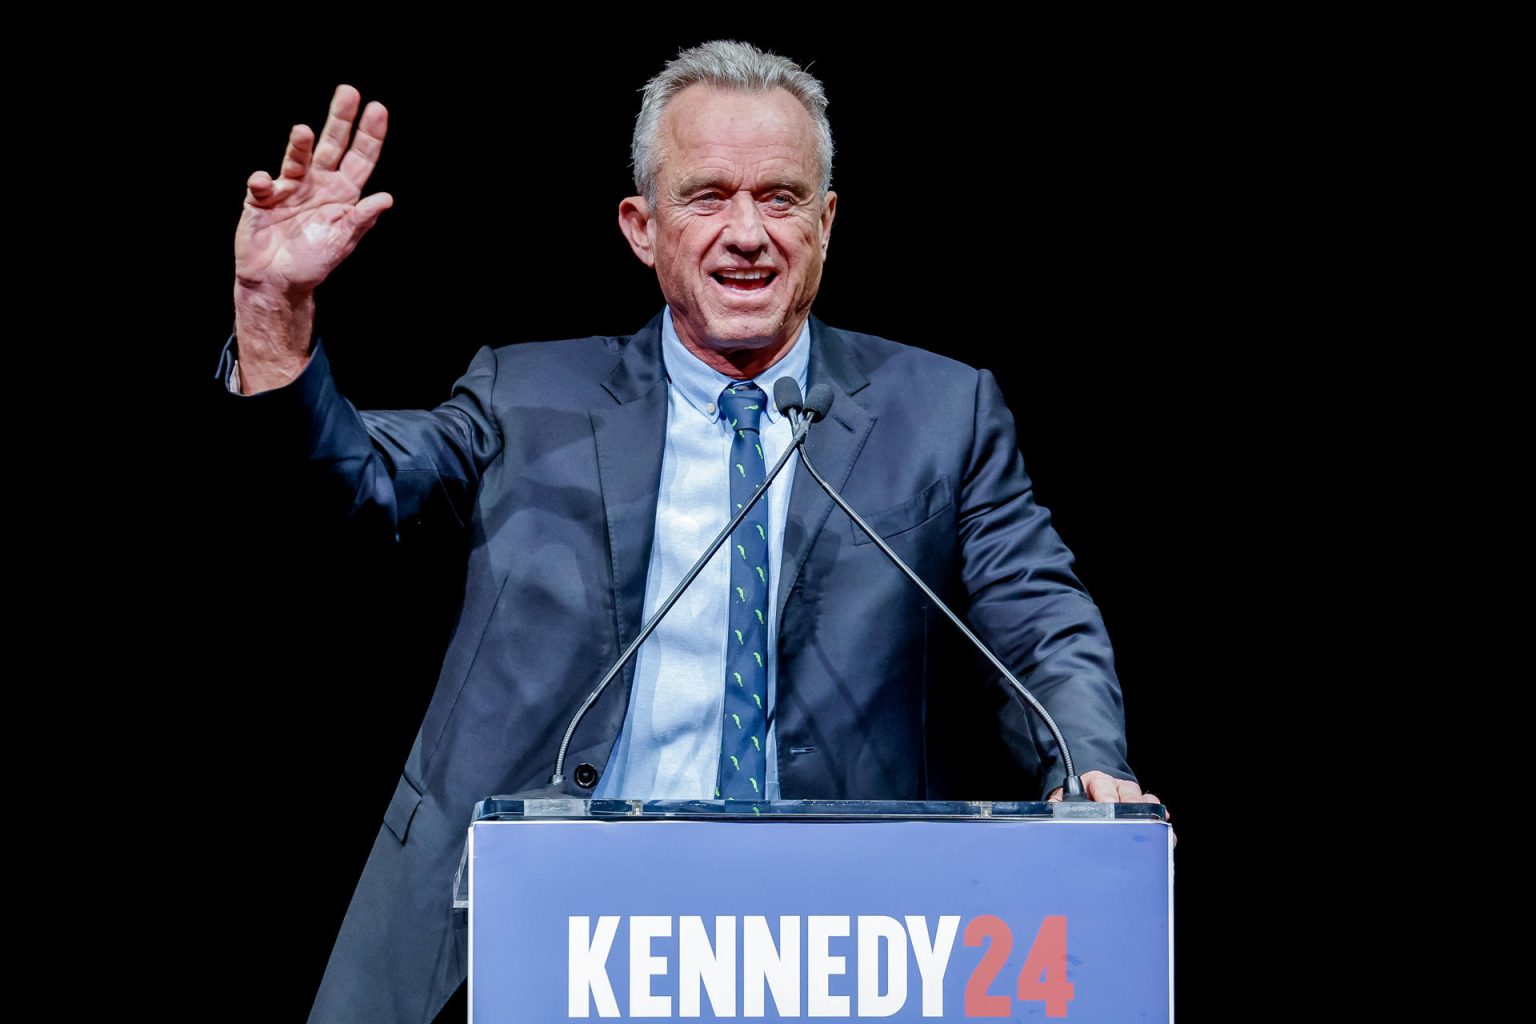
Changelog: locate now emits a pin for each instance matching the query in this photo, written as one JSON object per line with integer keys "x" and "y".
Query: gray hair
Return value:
{"x": 724, "y": 64}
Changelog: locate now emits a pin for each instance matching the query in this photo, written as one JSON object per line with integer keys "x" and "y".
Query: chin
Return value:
{"x": 738, "y": 334}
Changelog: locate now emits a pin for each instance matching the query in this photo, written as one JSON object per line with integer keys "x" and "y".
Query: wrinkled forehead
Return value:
{"x": 706, "y": 129}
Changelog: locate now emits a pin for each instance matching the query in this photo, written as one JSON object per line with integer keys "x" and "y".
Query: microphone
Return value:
{"x": 819, "y": 401}
{"x": 785, "y": 398}
{"x": 815, "y": 407}
{"x": 786, "y": 395}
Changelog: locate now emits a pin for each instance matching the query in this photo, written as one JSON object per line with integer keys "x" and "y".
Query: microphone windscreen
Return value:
{"x": 819, "y": 401}
{"x": 786, "y": 395}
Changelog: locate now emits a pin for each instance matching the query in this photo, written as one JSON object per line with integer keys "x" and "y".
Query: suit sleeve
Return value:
{"x": 382, "y": 469}
{"x": 1028, "y": 605}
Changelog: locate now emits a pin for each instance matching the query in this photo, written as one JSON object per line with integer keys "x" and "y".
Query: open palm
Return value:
{"x": 297, "y": 228}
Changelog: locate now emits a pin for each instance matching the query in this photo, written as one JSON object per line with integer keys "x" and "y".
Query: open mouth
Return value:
{"x": 744, "y": 280}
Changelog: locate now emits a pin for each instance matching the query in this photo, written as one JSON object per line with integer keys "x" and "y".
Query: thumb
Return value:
{"x": 369, "y": 209}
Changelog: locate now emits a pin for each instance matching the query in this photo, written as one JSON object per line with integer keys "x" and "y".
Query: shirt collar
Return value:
{"x": 700, "y": 384}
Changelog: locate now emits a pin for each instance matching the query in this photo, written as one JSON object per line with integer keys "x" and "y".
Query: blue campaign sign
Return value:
{"x": 893, "y": 920}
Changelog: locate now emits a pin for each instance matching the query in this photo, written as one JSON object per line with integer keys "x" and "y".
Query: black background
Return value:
{"x": 1119, "y": 225}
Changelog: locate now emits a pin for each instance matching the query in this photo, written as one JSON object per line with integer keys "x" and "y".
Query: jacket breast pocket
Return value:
{"x": 402, "y": 808}
{"x": 910, "y": 514}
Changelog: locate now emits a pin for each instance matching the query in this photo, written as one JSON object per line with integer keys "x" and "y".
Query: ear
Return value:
{"x": 639, "y": 228}
{"x": 828, "y": 210}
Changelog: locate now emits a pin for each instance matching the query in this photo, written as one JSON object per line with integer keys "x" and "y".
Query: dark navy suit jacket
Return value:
{"x": 548, "y": 456}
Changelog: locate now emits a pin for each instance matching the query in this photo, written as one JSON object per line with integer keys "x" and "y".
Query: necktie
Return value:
{"x": 744, "y": 734}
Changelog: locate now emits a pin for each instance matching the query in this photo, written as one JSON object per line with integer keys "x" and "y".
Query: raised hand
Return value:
{"x": 296, "y": 229}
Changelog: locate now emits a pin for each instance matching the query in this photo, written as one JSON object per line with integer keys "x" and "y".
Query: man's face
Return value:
{"x": 739, "y": 230}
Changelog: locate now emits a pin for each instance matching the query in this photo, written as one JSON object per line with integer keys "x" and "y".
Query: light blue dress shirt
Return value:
{"x": 670, "y": 745}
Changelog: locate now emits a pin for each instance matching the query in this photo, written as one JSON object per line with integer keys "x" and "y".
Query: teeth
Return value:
{"x": 744, "y": 275}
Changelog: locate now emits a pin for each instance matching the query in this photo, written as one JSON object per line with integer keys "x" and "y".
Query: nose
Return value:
{"x": 744, "y": 228}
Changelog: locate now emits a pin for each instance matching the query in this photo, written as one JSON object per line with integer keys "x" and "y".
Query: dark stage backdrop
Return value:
{"x": 1092, "y": 220}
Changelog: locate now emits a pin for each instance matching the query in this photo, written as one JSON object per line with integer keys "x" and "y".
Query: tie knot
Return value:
{"x": 742, "y": 405}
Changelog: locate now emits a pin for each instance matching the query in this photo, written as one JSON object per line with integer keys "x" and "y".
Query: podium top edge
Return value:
{"x": 509, "y": 808}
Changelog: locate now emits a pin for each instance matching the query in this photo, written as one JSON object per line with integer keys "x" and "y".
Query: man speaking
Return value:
{"x": 587, "y": 476}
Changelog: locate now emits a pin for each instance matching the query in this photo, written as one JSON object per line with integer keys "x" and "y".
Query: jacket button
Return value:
{"x": 586, "y": 775}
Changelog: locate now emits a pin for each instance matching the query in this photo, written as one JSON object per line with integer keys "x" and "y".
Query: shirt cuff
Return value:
{"x": 228, "y": 370}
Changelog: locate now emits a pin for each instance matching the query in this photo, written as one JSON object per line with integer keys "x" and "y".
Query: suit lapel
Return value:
{"x": 834, "y": 445}
{"x": 630, "y": 433}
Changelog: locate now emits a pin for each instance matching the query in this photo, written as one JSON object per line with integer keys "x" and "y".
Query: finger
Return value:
{"x": 338, "y": 126}
{"x": 301, "y": 145}
{"x": 267, "y": 194}
{"x": 359, "y": 162}
{"x": 1055, "y": 797}
{"x": 1101, "y": 787}
{"x": 1130, "y": 792}
{"x": 260, "y": 185}
{"x": 369, "y": 209}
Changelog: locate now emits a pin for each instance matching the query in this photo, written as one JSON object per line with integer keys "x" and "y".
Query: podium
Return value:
{"x": 793, "y": 910}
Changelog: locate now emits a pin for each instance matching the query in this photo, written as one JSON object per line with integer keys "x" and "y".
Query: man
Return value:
{"x": 588, "y": 474}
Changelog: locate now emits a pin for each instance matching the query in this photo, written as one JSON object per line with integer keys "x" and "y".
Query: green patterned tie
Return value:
{"x": 744, "y": 736}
